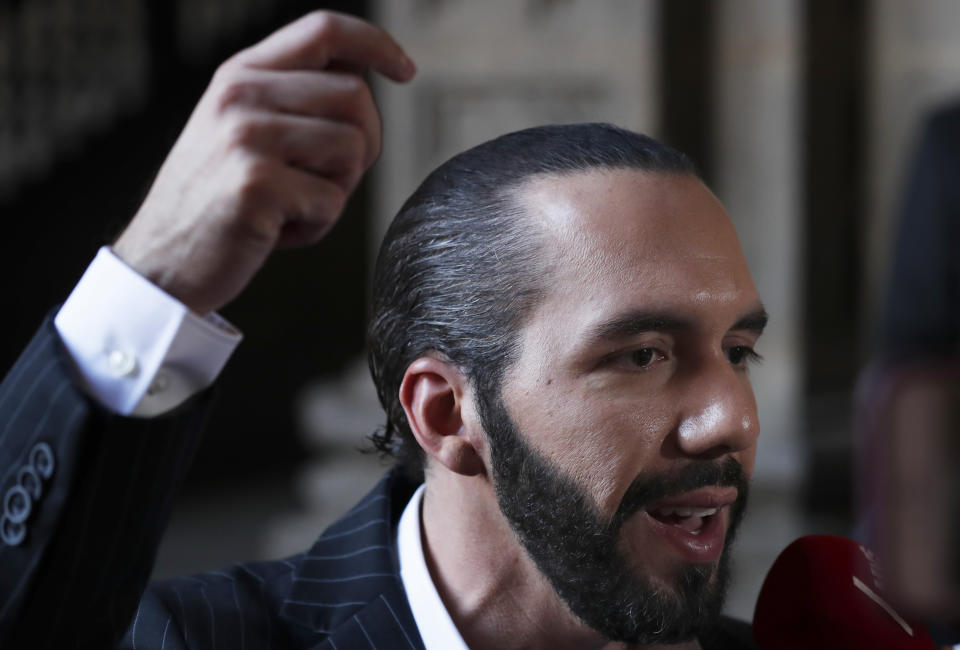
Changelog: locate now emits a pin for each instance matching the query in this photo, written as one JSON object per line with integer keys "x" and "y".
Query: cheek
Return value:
{"x": 600, "y": 442}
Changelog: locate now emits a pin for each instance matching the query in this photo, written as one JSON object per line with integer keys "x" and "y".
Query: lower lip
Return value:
{"x": 704, "y": 547}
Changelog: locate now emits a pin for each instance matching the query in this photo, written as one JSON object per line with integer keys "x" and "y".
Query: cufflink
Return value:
{"x": 121, "y": 362}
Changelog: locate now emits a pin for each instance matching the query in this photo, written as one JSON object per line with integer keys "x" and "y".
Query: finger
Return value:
{"x": 312, "y": 206}
{"x": 349, "y": 68}
{"x": 321, "y": 38}
{"x": 331, "y": 150}
{"x": 331, "y": 96}
{"x": 334, "y": 150}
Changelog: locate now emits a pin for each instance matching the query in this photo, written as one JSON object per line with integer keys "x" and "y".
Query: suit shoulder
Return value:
{"x": 237, "y": 606}
{"x": 267, "y": 577}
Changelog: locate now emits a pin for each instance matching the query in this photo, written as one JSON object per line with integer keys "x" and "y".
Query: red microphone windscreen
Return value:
{"x": 826, "y": 592}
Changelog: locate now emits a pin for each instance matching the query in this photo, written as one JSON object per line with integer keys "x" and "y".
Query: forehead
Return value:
{"x": 615, "y": 236}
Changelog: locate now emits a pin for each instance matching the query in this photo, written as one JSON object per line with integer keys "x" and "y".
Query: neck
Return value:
{"x": 494, "y": 593}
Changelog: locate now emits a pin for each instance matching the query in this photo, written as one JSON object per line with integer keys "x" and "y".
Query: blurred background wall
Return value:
{"x": 802, "y": 115}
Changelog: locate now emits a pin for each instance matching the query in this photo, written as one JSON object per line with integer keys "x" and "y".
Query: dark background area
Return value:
{"x": 302, "y": 317}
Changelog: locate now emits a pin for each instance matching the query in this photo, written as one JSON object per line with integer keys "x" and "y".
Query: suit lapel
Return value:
{"x": 384, "y": 624}
{"x": 348, "y": 584}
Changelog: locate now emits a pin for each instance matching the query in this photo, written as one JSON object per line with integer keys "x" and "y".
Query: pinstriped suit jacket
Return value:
{"x": 78, "y": 577}
{"x": 345, "y": 592}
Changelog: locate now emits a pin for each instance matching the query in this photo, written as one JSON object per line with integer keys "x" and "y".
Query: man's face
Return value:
{"x": 623, "y": 436}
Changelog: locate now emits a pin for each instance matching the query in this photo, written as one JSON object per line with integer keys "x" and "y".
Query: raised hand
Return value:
{"x": 268, "y": 158}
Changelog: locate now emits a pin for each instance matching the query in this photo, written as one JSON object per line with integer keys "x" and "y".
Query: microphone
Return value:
{"x": 825, "y": 592}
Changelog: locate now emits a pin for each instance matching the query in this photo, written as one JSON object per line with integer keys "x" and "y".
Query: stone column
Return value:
{"x": 758, "y": 180}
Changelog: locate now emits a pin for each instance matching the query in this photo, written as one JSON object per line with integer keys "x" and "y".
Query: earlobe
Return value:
{"x": 432, "y": 394}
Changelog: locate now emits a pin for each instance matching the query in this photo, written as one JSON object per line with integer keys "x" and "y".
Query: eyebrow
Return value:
{"x": 640, "y": 321}
{"x": 755, "y": 322}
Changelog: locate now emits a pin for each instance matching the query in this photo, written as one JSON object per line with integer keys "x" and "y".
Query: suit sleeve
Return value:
{"x": 86, "y": 496}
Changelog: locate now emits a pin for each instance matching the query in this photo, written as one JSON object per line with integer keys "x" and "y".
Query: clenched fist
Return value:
{"x": 268, "y": 158}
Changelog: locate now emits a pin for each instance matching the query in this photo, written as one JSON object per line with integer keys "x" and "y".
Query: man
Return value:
{"x": 561, "y": 326}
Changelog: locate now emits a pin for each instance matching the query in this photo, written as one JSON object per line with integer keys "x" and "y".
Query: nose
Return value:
{"x": 718, "y": 413}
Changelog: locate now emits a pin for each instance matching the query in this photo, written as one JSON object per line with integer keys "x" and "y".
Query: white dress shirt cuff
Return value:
{"x": 137, "y": 350}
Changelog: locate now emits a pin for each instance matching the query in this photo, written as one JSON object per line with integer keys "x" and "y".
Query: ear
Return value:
{"x": 432, "y": 394}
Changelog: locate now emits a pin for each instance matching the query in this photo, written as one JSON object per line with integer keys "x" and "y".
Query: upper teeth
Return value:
{"x": 687, "y": 512}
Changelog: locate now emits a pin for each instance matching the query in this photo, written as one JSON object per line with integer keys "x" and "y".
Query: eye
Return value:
{"x": 741, "y": 355}
{"x": 643, "y": 357}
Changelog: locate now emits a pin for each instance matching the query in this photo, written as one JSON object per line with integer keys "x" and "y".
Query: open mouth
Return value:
{"x": 693, "y": 524}
{"x": 692, "y": 520}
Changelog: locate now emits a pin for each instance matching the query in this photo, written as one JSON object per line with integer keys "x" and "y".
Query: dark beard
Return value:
{"x": 578, "y": 552}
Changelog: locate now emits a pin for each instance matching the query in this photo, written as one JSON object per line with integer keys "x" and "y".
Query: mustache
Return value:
{"x": 698, "y": 474}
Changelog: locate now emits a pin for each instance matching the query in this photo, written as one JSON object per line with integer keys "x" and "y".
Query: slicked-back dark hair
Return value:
{"x": 459, "y": 267}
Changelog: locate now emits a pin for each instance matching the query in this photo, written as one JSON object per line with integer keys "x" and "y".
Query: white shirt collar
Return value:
{"x": 434, "y": 623}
